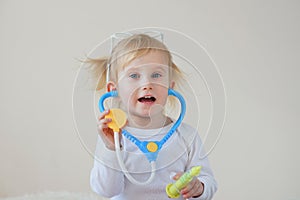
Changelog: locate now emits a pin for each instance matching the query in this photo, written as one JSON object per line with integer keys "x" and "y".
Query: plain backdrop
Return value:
{"x": 255, "y": 44}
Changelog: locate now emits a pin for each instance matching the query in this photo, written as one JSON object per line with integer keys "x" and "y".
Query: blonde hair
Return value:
{"x": 125, "y": 52}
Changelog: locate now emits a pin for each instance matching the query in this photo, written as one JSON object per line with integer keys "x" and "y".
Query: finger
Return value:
{"x": 102, "y": 127}
{"x": 172, "y": 175}
{"x": 103, "y": 124}
{"x": 193, "y": 190}
{"x": 189, "y": 187}
{"x": 102, "y": 115}
{"x": 177, "y": 176}
{"x": 104, "y": 121}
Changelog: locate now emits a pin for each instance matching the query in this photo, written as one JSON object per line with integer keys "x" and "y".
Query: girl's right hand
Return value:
{"x": 105, "y": 132}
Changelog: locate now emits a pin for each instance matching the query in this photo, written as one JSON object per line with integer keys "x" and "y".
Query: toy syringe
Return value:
{"x": 173, "y": 189}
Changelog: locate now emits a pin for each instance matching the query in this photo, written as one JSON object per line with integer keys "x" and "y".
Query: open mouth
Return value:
{"x": 147, "y": 99}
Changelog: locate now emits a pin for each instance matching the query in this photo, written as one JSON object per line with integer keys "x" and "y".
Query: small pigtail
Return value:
{"x": 98, "y": 69}
{"x": 178, "y": 75}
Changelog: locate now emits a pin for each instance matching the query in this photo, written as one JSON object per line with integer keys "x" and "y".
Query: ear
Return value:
{"x": 172, "y": 84}
{"x": 110, "y": 86}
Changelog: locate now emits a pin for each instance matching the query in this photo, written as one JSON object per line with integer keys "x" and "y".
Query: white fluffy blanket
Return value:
{"x": 56, "y": 196}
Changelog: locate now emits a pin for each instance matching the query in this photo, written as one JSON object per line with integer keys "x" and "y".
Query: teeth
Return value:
{"x": 147, "y": 98}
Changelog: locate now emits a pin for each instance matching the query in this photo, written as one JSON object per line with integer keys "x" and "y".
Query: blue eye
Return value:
{"x": 156, "y": 75}
{"x": 134, "y": 76}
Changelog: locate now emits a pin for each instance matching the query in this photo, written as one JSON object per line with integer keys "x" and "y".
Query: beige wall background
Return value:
{"x": 254, "y": 43}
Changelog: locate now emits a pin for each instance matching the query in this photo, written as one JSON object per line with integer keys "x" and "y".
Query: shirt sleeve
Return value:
{"x": 106, "y": 179}
{"x": 197, "y": 157}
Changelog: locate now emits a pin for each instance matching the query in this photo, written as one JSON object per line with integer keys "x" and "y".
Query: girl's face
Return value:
{"x": 143, "y": 85}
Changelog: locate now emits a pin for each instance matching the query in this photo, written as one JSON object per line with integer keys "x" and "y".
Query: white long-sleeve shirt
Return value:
{"x": 182, "y": 151}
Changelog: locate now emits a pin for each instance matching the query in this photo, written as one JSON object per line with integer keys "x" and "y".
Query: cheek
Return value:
{"x": 163, "y": 93}
{"x": 164, "y": 82}
{"x": 126, "y": 94}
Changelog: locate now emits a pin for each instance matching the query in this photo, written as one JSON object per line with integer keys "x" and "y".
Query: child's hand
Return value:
{"x": 195, "y": 188}
{"x": 105, "y": 132}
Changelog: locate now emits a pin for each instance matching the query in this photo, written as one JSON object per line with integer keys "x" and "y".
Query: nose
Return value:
{"x": 147, "y": 86}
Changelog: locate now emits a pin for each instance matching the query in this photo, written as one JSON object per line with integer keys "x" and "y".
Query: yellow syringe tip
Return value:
{"x": 195, "y": 171}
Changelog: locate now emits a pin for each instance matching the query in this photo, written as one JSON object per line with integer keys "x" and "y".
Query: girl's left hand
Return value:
{"x": 195, "y": 188}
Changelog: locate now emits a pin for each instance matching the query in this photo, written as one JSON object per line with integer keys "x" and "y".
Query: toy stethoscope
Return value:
{"x": 149, "y": 148}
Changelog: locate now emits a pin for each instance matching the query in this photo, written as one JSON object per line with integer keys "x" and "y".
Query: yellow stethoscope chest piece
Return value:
{"x": 152, "y": 147}
{"x": 118, "y": 117}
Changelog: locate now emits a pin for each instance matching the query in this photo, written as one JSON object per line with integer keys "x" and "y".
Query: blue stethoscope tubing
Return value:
{"x": 142, "y": 145}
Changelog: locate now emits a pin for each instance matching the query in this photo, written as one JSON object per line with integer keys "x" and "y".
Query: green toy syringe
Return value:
{"x": 173, "y": 189}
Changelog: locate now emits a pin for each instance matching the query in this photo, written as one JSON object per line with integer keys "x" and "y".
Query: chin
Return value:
{"x": 141, "y": 114}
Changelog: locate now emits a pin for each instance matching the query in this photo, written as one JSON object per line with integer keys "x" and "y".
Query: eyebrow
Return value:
{"x": 164, "y": 68}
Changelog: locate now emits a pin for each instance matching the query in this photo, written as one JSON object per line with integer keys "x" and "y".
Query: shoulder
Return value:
{"x": 188, "y": 133}
{"x": 186, "y": 129}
